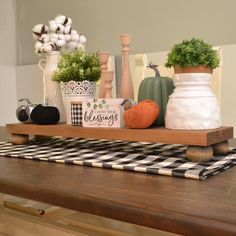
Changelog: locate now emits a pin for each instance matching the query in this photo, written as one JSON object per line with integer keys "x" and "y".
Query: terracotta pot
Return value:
{"x": 197, "y": 69}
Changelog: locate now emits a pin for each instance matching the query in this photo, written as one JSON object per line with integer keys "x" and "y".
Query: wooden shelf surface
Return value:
{"x": 160, "y": 134}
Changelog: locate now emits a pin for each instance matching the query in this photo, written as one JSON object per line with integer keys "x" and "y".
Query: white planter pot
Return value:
{"x": 73, "y": 91}
{"x": 193, "y": 105}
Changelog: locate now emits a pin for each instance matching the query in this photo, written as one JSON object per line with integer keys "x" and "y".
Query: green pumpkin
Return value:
{"x": 158, "y": 89}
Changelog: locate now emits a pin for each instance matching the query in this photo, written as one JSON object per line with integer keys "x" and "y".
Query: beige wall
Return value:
{"x": 7, "y": 61}
{"x": 155, "y": 24}
{"x": 8, "y": 32}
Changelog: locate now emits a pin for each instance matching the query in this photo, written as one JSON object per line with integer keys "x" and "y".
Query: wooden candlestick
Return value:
{"x": 108, "y": 77}
{"x": 103, "y": 56}
{"x": 141, "y": 65}
{"x": 126, "y": 89}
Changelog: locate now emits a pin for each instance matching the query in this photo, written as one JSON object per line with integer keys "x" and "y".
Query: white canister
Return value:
{"x": 193, "y": 105}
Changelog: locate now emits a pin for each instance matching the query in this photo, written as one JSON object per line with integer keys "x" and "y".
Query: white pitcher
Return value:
{"x": 52, "y": 90}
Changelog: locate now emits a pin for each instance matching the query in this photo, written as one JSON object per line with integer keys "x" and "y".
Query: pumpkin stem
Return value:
{"x": 25, "y": 99}
{"x": 154, "y": 67}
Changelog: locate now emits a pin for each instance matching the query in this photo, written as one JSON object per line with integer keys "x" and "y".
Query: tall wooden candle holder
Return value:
{"x": 108, "y": 77}
{"x": 126, "y": 88}
{"x": 103, "y": 56}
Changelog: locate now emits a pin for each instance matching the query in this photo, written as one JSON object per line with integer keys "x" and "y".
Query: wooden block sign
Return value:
{"x": 103, "y": 113}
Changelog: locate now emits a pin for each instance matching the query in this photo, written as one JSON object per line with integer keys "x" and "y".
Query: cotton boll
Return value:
{"x": 72, "y": 45}
{"x": 69, "y": 22}
{"x": 60, "y": 43}
{"x": 53, "y": 40}
{"x": 36, "y": 37}
{"x": 53, "y": 26}
{"x": 61, "y": 36}
{"x": 38, "y": 45}
{"x": 67, "y": 29}
{"x": 80, "y": 47}
{"x": 53, "y": 37}
{"x": 40, "y": 29}
{"x": 60, "y": 28}
{"x": 45, "y": 38}
{"x": 67, "y": 37}
{"x": 75, "y": 37}
{"x": 38, "y": 51}
{"x": 73, "y": 32}
{"x": 46, "y": 48}
{"x": 82, "y": 39}
{"x": 60, "y": 19}
{"x": 53, "y": 45}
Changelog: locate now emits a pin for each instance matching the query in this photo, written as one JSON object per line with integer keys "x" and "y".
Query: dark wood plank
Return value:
{"x": 160, "y": 134}
{"x": 183, "y": 206}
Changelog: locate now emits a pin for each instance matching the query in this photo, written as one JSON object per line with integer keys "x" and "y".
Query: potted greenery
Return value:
{"x": 192, "y": 56}
{"x": 192, "y": 105}
{"x": 77, "y": 74}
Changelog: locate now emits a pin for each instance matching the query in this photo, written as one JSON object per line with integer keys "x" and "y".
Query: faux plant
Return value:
{"x": 78, "y": 66}
{"x": 59, "y": 35}
{"x": 192, "y": 53}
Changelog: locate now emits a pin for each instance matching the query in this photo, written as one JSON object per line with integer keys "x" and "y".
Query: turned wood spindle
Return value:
{"x": 108, "y": 77}
{"x": 126, "y": 89}
{"x": 103, "y": 56}
{"x": 141, "y": 63}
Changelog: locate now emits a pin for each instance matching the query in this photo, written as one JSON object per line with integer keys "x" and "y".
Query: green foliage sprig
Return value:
{"x": 192, "y": 53}
{"x": 78, "y": 66}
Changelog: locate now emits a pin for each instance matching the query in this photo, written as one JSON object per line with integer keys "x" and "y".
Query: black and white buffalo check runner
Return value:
{"x": 153, "y": 158}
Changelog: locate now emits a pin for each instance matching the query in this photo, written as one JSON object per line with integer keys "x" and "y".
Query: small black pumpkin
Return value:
{"x": 45, "y": 115}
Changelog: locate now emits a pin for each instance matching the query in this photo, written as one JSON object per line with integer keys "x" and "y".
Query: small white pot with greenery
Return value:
{"x": 192, "y": 105}
{"x": 77, "y": 74}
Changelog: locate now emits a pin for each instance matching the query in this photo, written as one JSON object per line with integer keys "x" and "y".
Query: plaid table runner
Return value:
{"x": 153, "y": 158}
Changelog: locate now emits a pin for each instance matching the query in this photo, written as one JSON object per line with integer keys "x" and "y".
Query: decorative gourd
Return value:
{"x": 45, "y": 115}
{"x": 157, "y": 89}
{"x": 142, "y": 115}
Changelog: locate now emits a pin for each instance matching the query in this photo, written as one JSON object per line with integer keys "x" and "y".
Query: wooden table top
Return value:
{"x": 183, "y": 206}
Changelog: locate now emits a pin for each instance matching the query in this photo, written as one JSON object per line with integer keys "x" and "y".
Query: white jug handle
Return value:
{"x": 42, "y": 64}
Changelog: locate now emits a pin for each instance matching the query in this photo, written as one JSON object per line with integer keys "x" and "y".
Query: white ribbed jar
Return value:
{"x": 192, "y": 105}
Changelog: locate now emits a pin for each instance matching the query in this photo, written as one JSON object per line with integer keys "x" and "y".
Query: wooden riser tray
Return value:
{"x": 202, "y": 138}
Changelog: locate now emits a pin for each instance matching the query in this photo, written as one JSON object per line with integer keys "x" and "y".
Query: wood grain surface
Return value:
{"x": 177, "y": 205}
{"x": 160, "y": 134}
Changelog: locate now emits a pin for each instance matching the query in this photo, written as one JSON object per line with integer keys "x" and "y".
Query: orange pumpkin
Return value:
{"x": 142, "y": 115}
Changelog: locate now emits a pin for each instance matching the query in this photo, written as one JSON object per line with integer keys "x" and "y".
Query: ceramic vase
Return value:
{"x": 192, "y": 105}
{"x": 74, "y": 91}
{"x": 52, "y": 91}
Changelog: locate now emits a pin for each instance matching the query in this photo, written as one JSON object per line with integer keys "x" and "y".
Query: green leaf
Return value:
{"x": 78, "y": 66}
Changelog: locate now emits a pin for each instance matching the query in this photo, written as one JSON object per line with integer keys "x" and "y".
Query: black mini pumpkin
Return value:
{"x": 45, "y": 115}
